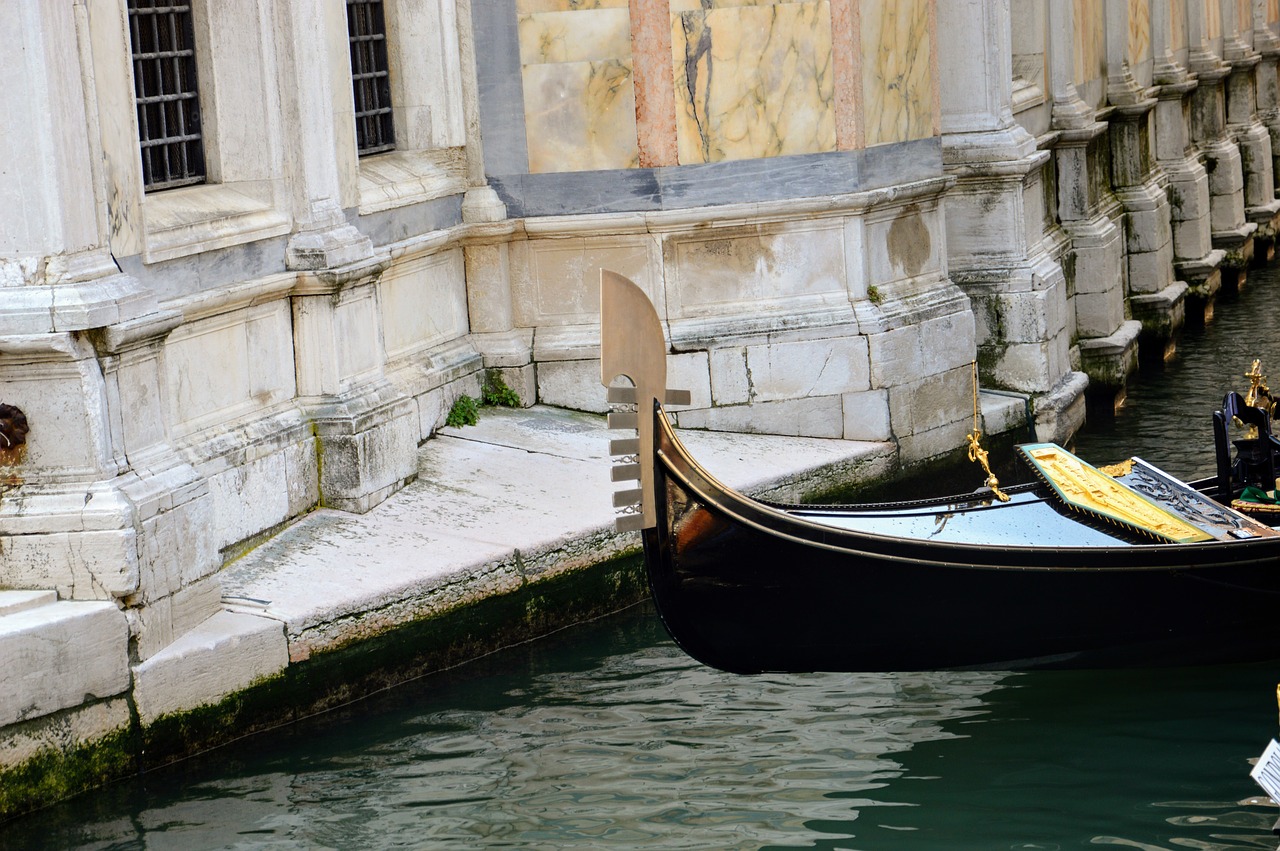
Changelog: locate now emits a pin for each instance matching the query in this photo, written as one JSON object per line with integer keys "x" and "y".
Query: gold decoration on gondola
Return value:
{"x": 1084, "y": 488}
{"x": 1118, "y": 470}
{"x": 976, "y": 452}
{"x": 1259, "y": 395}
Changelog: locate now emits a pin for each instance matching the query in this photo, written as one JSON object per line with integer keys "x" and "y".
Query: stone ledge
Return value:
{"x": 227, "y": 653}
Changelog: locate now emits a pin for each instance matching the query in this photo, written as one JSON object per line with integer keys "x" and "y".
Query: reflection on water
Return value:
{"x": 607, "y": 736}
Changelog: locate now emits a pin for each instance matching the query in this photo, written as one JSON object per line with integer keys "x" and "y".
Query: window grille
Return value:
{"x": 168, "y": 103}
{"x": 370, "y": 78}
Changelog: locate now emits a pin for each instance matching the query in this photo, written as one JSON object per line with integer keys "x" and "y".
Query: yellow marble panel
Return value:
{"x": 1273, "y": 11}
{"x": 1212, "y": 18}
{"x": 753, "y": 80}
{"x": 1139, "y": 31}
{"x": 897, "y": 71}
{"x": 580, "y": 116}
{"x": 1091, "y": 49}
{"x": 574, "y": 36}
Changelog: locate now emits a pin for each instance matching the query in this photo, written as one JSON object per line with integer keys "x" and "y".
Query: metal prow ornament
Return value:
{"x": 976, "y": 452}
{"x": 632, "y": 346}
{"x": 1259, "y": 395}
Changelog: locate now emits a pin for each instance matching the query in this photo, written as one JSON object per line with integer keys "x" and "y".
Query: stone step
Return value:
{"x": 58, "y": 654}
{"x": 12, "y": 602}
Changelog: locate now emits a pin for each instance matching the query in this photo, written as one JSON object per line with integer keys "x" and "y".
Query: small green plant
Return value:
{"x": 465, "y": 412}
{"x": 496, "y": 393}
{"x": 873, "y": 295}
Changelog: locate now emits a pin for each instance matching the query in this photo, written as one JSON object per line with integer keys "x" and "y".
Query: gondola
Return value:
{"x": 1079, "y": 568}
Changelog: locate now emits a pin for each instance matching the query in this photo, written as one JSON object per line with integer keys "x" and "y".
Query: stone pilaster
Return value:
{"x": 1231, "y": 231}
{"x": 1195, "y": 261}
{"x": 998, "y": 250}
{"x": 1267, "y": 45}
{"x": 366, "y": 427}
{"x": 1154, "y": 298}
{"x": 1252, "y": 138}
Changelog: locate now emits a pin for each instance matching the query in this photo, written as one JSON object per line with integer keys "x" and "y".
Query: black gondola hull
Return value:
{"x": 746, "y": 588}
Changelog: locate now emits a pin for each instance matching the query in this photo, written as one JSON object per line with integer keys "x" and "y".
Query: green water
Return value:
{"x": 606, "y": 736}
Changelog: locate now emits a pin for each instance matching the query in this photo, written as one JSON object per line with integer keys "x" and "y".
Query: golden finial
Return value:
{"x": 1259, "y": 395}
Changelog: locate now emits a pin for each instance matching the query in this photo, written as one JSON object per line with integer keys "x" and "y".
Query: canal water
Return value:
{"x": 607, "y": 736}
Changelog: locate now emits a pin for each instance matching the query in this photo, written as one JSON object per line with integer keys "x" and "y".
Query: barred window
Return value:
{"x": 168, "y": 103}
{"x": 370, "y": 78}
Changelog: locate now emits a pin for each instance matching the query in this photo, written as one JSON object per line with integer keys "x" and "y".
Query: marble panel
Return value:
{"x": 898, "y": 71}
{"x": 1273, "y": 11}
{"x": 424, "y": 304}
{"x": 752, "y": 80}
{"x": 1139, "y": 31}
{"x": 904, "y": 245}
{"x": 557, "y": 281}
{"x": 1090, "y": 44}
{"x": 223, "y": 367}
{"x": 715, "y": 275}
{"x": 580, "y": 116}
{"x": 574, "y": 36}
{"x": 1212, "y": 19}
{"x": 357, "y": 334}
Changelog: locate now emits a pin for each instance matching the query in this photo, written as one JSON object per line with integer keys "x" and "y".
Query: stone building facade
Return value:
{"x": 836, "y": 205}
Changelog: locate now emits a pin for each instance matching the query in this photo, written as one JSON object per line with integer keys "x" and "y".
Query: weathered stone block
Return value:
{"x": 225, "y": 654}
{"x": 80, "y": 565}
{"x": 813, "y": 416}
{"x": 55, "y": 656}
{"x": 1098, "y": 314}
{"x": 360, "y": 468}
{"x": 946, "y": 342}
{"x": 1033, "y": 316}
{"x": 932, "y": 402}
{"x": 1152, "y": 271}
{"x": 161, "y": 620}
{"x": 893, "y": 354}
{"x": 730, "y": 381}
{"x": 572, "y": 384}
{"x": 866, "y": 415}
{"x": 690, "y": 371}
{"x": 809, "y": 368}
{"x": 1027, "y": 367}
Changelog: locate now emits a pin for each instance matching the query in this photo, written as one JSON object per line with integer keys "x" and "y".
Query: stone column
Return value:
{"x": 1155, "y": 299}
{"x": 485, "y": 250}
{"x": 1267, "y": 44}
{"x": 1195, "y": 261}
{"x": 366, "y": 427}
{"x": 1089, "y": 214}
{"x": 1231, "y": 231}
{"x": 997, "y": 249}
{"x": 1261, "y": 206}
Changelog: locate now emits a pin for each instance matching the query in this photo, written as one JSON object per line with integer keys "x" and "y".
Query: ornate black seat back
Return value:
{"x": 1255, "y": 458}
